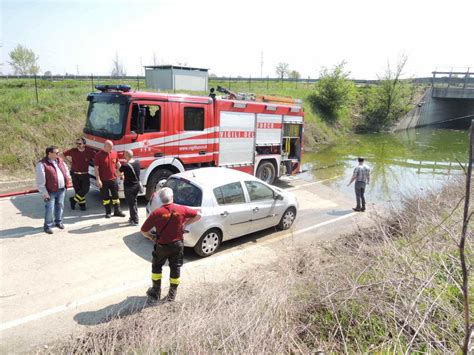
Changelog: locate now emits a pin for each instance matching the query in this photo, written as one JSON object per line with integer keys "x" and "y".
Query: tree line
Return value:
{"x": 334, "y": 98}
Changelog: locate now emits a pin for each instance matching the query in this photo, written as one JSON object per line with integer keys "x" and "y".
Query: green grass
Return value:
{"x": 28, "y": 127}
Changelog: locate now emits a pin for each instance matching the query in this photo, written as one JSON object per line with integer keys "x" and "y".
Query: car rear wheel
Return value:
{"x": 287, "y": 219}
{"x": 266, "y": 172}
{"x": 208, "y": 243}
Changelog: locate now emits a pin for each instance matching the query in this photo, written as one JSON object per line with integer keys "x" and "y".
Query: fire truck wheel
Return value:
{"x": 155, "y": 178}
{"x": 208, "y": 243}
{"x": 266, "y": 172}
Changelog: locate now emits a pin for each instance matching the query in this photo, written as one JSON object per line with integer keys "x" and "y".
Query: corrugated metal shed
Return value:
{"x": 171, "y": 77}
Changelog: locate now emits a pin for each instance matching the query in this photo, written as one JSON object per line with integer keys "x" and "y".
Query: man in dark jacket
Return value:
{"x": 52, "y": 178}
{"x": 169, "y": 221}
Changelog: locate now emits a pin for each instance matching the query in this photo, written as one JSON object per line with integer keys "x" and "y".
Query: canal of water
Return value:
{"x": 402, "y": 163}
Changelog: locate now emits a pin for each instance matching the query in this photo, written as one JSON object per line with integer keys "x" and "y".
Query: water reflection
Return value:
{"x": 403, "y": 162}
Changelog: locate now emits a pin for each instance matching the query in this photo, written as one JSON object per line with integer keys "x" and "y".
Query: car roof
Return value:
{"x": 213, "y": 177}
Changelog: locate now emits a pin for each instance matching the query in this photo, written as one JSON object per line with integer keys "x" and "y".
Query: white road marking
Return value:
{"x": 114, "y": 291}
{"x": 304, "y": 230}
{"x": 313, "y": 183}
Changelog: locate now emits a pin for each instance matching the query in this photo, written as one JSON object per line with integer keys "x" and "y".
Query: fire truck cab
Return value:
{"x": 170, "y": 133}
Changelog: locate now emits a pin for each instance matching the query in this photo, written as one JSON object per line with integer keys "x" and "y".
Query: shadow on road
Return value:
{"x": 19, "y": 232}
{"x": 129, "y": 306}
{"x": 96, "y": 227}
{"x": 144, "y": 247}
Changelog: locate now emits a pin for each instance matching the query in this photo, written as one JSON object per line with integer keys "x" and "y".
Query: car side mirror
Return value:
{"x": 277, "y": 196}
{"x": 141, "y": 121}
{"x": 162, "y": 183}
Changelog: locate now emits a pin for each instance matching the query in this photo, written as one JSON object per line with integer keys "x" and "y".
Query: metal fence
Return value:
{"x": 140, "y": 78}
{"x": 227, "y": 81}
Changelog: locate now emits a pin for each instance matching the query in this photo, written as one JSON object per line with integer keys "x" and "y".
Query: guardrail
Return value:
{"x": 454, "y": 83}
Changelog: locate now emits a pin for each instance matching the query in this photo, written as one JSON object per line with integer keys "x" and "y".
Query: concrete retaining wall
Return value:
{"x": 432, "y": 111}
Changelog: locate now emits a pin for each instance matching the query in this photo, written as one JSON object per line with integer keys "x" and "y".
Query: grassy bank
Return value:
{"x": 28, "y": 127}
{"x": 392, "y": 288}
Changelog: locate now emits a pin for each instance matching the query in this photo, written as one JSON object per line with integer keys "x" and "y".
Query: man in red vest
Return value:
{"x": 52, "y": 179}
{"x": 106, "y": 164}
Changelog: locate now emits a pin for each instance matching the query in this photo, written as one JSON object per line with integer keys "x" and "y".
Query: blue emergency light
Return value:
{"x": 109, "y": 88}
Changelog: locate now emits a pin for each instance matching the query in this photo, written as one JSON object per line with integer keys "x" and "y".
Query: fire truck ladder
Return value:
{"x": 246, "y": 96}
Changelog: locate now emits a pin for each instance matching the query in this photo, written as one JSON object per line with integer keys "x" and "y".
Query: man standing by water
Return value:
{"x": 361, "y": 176}
{"x": 52, "y": 178}
{"x": 106, "y": 164}
{"x": 79, "y": 158}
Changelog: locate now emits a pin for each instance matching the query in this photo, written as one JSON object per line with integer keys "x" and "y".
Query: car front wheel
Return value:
{"x": 208, "y": 243}
{"x": 287, "y": 219}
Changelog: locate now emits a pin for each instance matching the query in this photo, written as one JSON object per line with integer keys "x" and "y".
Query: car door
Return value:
{"x": 232, "y": 210}
{"x": 263, "y": 205}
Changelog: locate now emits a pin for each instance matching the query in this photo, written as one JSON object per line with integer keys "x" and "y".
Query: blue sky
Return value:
{"x": 83, "y": 36}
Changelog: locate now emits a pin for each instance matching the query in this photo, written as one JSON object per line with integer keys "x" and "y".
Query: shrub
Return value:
{"x": 333, "y": 93}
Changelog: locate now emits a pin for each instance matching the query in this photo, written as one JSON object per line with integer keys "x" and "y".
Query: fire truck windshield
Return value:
{"x": 106, "y": 117}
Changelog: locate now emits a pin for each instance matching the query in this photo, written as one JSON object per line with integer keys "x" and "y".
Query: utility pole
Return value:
{"x": 261, "y": 65}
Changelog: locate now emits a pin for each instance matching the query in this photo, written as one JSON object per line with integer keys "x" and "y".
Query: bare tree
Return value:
{"x": 282, "y": 70}
{"x": 468, "y": 329}
{"x": 391, "y": 83}
{"x": 23, "y": 61}
{"x": 118, "y": 69}
{"x": 1, "y": 64}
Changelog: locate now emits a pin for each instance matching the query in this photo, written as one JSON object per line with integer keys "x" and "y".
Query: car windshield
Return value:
{"x": 184, "y": 192}
{"x": 106, "y": 118}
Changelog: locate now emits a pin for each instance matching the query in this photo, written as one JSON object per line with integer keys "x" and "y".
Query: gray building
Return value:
{"x": 171, "y": 77}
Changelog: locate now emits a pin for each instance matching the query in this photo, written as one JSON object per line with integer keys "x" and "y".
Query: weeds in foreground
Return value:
{"x": 392, "y": 288}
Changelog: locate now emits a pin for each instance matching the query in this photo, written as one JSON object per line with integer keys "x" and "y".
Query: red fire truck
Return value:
{"x": 170, "y": 133}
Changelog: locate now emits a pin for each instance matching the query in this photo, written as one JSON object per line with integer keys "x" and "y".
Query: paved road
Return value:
{"x": 61, "y": 284}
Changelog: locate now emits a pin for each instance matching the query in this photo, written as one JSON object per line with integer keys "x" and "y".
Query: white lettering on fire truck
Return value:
{"x": 193, "y": 147}
{"x": 268, "y": 125}
{"x": 236, "y": 134}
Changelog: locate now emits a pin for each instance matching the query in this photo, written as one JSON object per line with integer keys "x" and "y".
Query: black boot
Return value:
{"x": 108, "y": 211}
{"x": 118, "y": 212}
{"x": 172, "y": 293}
{"x": 82, "y": 206}
{"x": 154, "y": 292}
{"x": 73, "y": 203}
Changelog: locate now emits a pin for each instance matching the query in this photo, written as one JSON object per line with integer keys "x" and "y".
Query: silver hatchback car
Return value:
{"x": 232, "y": 204}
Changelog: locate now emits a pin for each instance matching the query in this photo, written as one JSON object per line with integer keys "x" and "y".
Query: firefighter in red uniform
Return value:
{"x": 106, "y": 164}
{"x": 169, "y": 221}
{"x": 79, "y": 158}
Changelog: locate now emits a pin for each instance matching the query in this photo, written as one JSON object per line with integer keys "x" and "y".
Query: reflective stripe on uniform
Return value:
{"x": 116, "y": 201}
{"x": 105, "y": 202}
{"x": 174, "y": 281}
{"x": 79, "y": 199}
{"x": 156, "y": 277}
